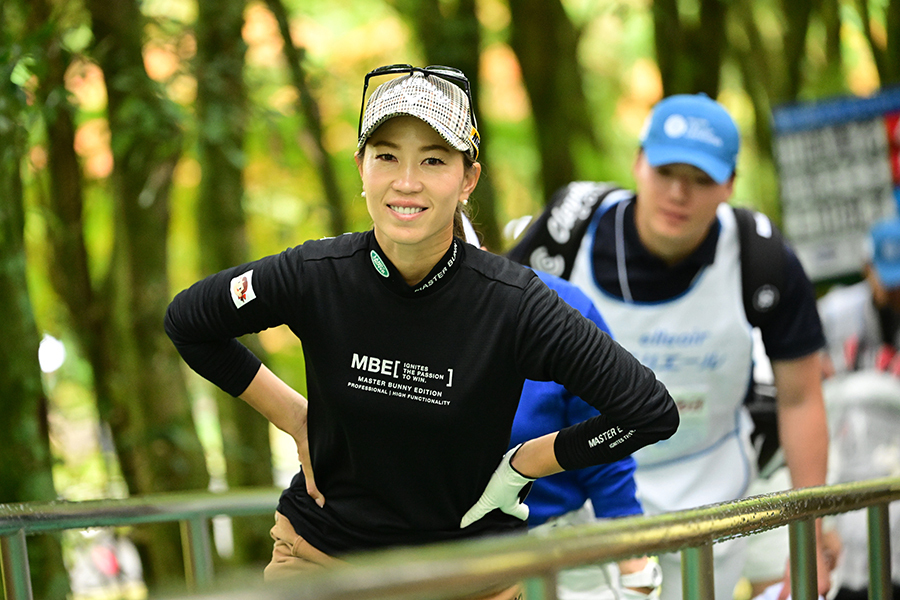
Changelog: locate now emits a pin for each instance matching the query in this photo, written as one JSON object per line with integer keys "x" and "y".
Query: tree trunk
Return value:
{"x": 862, "y": 6}
{"x": 891, "y": 76}
{"x": 546, "y": 44}
{"x": 222, "y": 115}
{"x": 669, "y": 39}
{"x": 886, "y": 58}
{"x": 154, "y": 432}
{"x": 309, "y": 108}
{"x": 69, "y": 270}
{"x": 797, "y": 15}
{"x": 708, "y": 43}
{"x": 834, "y": 77}
{"x": 775, "y": 76}
{"x": 25, "y": 471}
{"x": 689, "y": 54}
{"x": 757, "y": 66}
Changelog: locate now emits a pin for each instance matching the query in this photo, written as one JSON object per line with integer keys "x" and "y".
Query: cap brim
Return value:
{"x": 658, "y": 155}
{"x": 448, "y": 137}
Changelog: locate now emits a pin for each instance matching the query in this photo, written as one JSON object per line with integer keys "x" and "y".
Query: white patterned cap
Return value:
{"x": 438, "y": 102}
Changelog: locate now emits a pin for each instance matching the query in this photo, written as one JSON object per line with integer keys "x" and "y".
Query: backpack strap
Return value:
{"x": 762, "y": 264}
{"x": 553, "y": 239}
{"x": 762, "y": 280}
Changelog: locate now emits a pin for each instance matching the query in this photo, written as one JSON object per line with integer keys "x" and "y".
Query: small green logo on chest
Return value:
{"x": 379, "y": 264}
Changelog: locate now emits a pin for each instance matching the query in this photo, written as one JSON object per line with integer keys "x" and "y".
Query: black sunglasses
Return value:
{"x": 451, "y": 74}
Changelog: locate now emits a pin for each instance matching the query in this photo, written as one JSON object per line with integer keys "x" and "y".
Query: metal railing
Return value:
{"x": 448, "y": 570}
{"x": 193, "y": 510}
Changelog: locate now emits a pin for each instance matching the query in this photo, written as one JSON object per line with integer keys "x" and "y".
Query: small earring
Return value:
{"x": 465, "y": 200}
{"x": 363, "y": 193}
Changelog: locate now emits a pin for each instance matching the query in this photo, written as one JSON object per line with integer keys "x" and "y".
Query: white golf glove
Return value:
{"x": 648, "y": 577}
{"x": 502, "y": 492}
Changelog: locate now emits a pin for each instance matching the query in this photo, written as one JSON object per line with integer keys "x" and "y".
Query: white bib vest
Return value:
{"x": 699, "y": 344}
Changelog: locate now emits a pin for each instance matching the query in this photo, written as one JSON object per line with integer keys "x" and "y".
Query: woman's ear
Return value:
{"x": 472, "y": 175}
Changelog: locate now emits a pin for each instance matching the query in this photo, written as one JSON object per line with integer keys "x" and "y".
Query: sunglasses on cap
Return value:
{"x": 451, "y": 74}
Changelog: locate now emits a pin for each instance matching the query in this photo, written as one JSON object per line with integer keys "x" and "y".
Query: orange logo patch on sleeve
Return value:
{"x": 242, "y": 289}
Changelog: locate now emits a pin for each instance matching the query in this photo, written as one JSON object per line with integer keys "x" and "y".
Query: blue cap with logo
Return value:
{"x": 885, "y": 238}
{"x": 693, "y": 129}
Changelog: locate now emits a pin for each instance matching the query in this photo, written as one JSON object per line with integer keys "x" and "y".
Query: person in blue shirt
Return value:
{"x": 584, "y": 495}
{"x": 545, "y": 406}
{"x": 581, "y": 496}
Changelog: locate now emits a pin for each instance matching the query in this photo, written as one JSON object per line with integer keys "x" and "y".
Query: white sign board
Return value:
{"x": 839, "y": 173}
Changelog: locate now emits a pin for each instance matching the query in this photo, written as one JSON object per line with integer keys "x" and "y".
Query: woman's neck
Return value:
{"x": 414, "y": 261}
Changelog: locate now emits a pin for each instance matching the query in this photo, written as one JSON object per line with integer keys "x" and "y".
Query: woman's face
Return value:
{"x": 413, "y": 181}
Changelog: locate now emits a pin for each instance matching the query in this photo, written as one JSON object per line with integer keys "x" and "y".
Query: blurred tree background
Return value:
{"x": 148, "y": 143}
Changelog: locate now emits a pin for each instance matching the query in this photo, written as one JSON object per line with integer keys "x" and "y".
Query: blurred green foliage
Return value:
{"x": 342, "y": 41}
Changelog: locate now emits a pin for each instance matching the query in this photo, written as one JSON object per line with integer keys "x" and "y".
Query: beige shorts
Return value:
{"x": 293, "y": 556}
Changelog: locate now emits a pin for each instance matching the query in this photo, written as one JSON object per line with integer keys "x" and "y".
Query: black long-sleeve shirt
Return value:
{"x": 412, "y": 390}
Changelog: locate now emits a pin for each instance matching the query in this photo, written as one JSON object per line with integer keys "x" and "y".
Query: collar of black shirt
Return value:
{"x": 439, "y": 276}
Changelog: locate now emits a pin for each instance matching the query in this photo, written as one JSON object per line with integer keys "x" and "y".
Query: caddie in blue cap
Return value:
{"x": 862, "y": 320}
{"x": 672, "y": 268}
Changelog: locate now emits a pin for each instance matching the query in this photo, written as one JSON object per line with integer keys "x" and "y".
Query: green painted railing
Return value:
{"x": 448, "y": 570}
{"x": 193, "y": 510}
